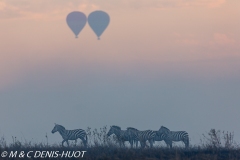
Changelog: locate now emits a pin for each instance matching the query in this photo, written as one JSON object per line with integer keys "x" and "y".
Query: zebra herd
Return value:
{"x": 132, "y": 135}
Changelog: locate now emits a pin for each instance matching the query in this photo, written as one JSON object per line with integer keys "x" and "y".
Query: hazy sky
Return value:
{"x": 160, "y": 62}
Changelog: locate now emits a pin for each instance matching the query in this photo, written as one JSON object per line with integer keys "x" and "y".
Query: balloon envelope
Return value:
{"x": 98, "y": 21}
{"x": 76, "y": 21}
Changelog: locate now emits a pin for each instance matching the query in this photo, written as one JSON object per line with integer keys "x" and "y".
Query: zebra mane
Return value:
{"x": 131, "y": 128}
{"x": 165, "y": 128}
{"x": 117, "y": 127}
{"x": 60, "y": 126}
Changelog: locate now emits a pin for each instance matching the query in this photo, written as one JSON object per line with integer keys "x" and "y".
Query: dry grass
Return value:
{"x": 215, "y": 145}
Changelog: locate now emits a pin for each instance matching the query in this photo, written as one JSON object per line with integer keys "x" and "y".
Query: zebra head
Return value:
{"x": 163, "y": 130}
{"x": 113, "y": 130}
{"x": 57, "y": 127}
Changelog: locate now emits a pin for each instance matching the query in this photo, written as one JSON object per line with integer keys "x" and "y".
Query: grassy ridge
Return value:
{"x": 216, "y": 145}
{"x": 111, "y": 153}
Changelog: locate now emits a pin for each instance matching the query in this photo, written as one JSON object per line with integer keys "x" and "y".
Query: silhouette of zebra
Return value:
{"x": 159, "y": 137}
{"x": 143, "y": 136}
{"x": 122, "y": 135}
{"x": 133, "y": 136}
{"x": 70, "y": 134}
{"x": 174, "y": 136}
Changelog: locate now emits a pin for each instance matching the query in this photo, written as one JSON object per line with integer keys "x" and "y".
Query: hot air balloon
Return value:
{"x": 98, "y": 21}
{"x": 76, "y": 21}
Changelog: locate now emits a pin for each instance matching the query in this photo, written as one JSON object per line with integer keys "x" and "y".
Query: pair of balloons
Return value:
{"x": 98, "y": 21}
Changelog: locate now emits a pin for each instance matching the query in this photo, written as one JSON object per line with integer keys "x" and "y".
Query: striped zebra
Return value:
{"x": 70, "y": 134}
{"x": 122, "y": 135}
{"x": 174, "y": 136}
{"x": 133, "y": 136}
{"x": 159, "y": 137}
{"x": 143, "y": 136}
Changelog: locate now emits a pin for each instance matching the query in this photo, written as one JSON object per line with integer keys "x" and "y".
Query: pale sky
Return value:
{"x": 160, "y": 62}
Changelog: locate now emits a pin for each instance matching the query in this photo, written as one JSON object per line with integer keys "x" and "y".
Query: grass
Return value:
{"x": 215, "y": 145}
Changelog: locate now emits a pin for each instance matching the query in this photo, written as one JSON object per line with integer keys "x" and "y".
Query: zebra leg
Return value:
{"x": 166, "y": 142}
{"x": 75, "y": 142}
{"x": 131, "y": 143}
{"x": 123, "y": 144}
{"x": 186, "y": 142}
{"x": 136, "y": 143}
{"x": 151, "y": 143}
{"x": 84, "y": 142}
{"x": 63, "y": 142}
{"x": 170, "y": 144}
{"x": 143, "y": 143}
{"x": 120, "y": 144}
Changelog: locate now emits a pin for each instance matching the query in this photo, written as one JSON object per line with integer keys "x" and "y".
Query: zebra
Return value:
{"x": 122, "y": 135}
{"x": 174, "y": 136}
{"x": 159, "y": 137}
{"x": 143, "y": 136}
{"x": 133, "y": 136}
{"x": 70, "y": 134}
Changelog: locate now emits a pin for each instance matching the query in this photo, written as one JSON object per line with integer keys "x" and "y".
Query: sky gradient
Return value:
{"x": 160, "y": 62}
